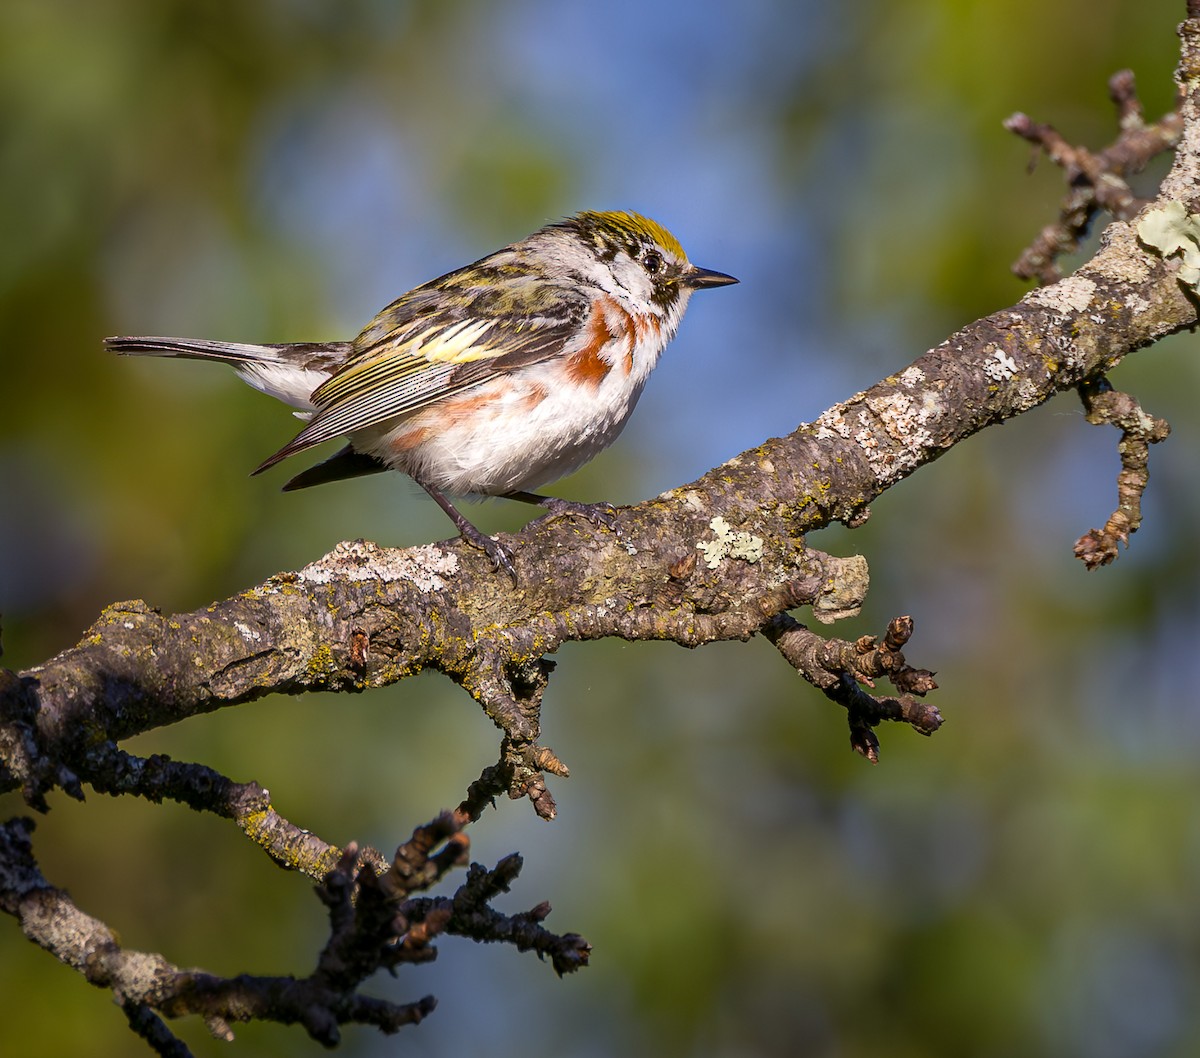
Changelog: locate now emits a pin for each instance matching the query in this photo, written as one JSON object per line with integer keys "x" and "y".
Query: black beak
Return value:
{"x": 704, "y": 277}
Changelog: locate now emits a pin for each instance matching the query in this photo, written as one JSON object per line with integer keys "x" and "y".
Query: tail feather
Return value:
{"x": 191, "y": 348}
{"x": 288, "y": 372}
{"x": 346, "y": 463}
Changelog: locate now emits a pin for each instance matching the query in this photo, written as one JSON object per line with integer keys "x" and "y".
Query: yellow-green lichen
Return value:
{"x": 322, "y": 665}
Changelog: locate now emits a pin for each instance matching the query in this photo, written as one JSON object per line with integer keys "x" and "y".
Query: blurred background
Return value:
{"x": 1022, "y": 884}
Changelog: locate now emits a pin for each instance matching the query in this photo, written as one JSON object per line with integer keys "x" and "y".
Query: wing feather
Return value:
{"x": 453, "y": 334}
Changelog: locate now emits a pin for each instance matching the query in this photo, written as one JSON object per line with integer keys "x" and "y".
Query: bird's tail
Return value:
{"x": 287, "y": 372}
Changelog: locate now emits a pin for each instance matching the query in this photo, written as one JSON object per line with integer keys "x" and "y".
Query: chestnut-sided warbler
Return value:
{"x": 491, "y": 380}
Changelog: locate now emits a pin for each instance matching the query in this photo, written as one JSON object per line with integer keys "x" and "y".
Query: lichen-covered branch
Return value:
{"x": 722, "y": 558}
{"x": 716, "y": 559}
{"x": 366, "y": 616}
{"x": 143, "y": 983}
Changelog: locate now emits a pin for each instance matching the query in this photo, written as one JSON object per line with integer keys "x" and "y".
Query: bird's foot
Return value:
{"x": 501, "y": 556}
{"x": 601, "y": 514}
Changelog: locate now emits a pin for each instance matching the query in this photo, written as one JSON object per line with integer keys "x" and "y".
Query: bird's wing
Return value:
{"x": 450, "y": 335}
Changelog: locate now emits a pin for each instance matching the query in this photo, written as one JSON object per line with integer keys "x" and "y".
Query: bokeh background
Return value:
{"x": 1022, "y": 884}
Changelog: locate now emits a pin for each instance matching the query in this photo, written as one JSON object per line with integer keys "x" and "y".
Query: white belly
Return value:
{"x": 511, "y": 434}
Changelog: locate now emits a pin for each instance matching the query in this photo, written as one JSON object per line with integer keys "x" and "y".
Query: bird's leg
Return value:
{"x": 499, "y": 554}
{"x": 601, "y": 514}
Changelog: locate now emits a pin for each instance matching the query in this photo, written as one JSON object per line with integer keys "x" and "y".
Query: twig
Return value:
{"x": 1095, "y": 181}
{"x": 1104, "y": 405}
{"x": 837, "y": 666}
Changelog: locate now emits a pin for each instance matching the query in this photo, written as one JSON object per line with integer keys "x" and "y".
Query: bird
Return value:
{"x": 492, "y": 380}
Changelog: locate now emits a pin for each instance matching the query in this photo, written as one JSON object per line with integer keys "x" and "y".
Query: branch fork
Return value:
{"x": 838, "y": 667}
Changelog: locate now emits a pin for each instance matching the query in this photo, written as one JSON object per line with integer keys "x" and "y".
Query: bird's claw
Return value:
{"x": 502, "y": 558}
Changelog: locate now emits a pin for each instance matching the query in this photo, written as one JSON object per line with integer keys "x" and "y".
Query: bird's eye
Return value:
{"x": 652, "y": 261}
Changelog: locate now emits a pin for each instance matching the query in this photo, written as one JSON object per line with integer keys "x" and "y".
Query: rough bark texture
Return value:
{"x": 718, "y": 559}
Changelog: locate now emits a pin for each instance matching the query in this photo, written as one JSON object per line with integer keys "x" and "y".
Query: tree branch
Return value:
{"x": 365, "y": 616}
{"x": 722, "y": 558}
{"x": 375, "y": 923}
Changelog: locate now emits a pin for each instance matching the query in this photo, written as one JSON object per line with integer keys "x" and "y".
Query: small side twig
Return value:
{"x": 837, "y": 667}
{"x": 111, "y": 770}
{"x": 153, "y": 1030}
{"x": 1096, "y": 181}
{"x": 1104, "y": 405}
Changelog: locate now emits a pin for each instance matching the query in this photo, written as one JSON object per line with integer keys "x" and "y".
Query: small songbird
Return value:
{"x": 492, "y": 380}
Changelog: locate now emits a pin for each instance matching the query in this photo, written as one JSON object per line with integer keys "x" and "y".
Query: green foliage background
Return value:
{"x": 1022, "y": 884}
